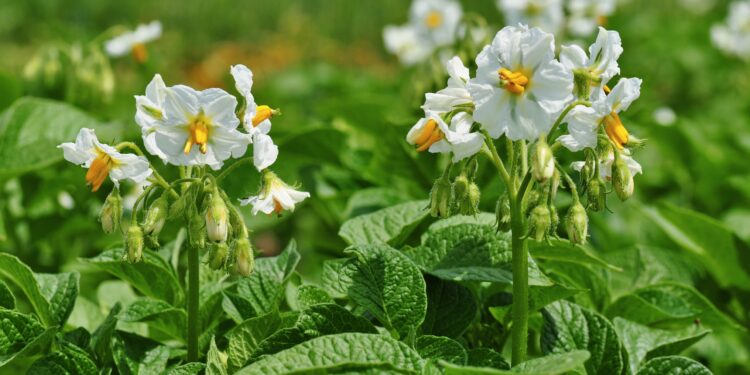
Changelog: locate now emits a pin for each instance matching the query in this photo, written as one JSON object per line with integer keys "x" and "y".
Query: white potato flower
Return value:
{"x": 519, "y": 87}
{"x": 586, "y": 15}
{"x": 601, "y": 62}
{"x": 734, "y": 37}
{"x": 583, "y": 122}
{"x": 134, "y": 41}
{"x": 605, "y": 165}
{"x": 275, "y": 196}
{"x": 545, "y": 14}
{"x": 103, "y": 160}
{"x": 455, "y": 94}
{"x": 404, "y": 42}
{"x": 433, "y": 134}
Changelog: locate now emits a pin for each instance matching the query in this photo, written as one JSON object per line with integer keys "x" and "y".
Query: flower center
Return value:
{"x": 514, "y": 82}
{"x": 140, "y": 54}
{"x": 533, "y": 10}
{"x": 99, "y": 170}
{"x": 616, "y": 130}
{"x": 277, "y": 207}
{"x": 433, "y": 20}
{"x": 262, "y": 113}
{"x": 429, "y": 135}
{"x": 198, "y": 130}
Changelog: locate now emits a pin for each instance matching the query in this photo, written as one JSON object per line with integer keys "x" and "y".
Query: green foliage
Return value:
{"x": 390, "y": 225}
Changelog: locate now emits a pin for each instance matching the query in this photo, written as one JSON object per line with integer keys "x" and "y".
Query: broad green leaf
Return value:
{"x": 673, "y": 365}
{"x": 14, "y": 270}
{"x": 553, "y": 364}
{"x": 707, "y": 239}
{"x": 451, "y": 308}
{"x": 238, "y": 308}
{"x": 68, "y": 359}
{"x": 264, "y": 288}
{"x": 79, "y": 337}
{"x": 539, "y": 297}
{"x": 483, "y": 218}
{"x": 339, "y": 353}
{"x": 61, "y": 291}
{"x": 101, "y": 338}
{"x": 368, "y": 200}
{"x": 192, "y": 368}
{"x": 152, "y": 276}
{"x": 332, "y": 280}
{"x": 7, "y": 300}
{"x": 158, "y": 314}
{"x": 642, "y": 342}
{"x": 565, "y": 251}
{"x": 309, "y": 295}
{"x": 441, "y": 348}
{"x": 670, "y": 304}
{"x": 316, "y": 321}
{"x": 569, "y": 327}
{"x": 213, "y": 360}
{"x": 31, "y": 129}
{"x": 470, "y": 252}
{"x": 486, "y": 357}
{"x": 138, "y": 355}
{"x": 390, "y": 225}
{"x": 388, "y": 285}
{"x": 582, "y": 277}
{"x": 245, "y": 337}
{"x": 21, "y": 335}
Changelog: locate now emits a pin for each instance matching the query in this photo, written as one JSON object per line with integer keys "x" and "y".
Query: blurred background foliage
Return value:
{"x": 347, "y": 106}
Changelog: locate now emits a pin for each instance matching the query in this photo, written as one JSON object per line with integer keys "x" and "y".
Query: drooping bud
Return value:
{"x": 597, "y": 195}
{"x": 216, "y": 218}
{"x": 542, "y": 161}
{"x": 156, "y": 216}
{"x": 244, "y": 262}
{"x": 197, "y": 231}
{"x": 134, "y": 244}
{"x": 218, "y": 255}
{"x": 622, "y": 179}
{"x": 577, "y": 223}
{"x": 111, "y": 212}
{"x": 539, "y": 222}
{"x": 469, "y": 205}
{"x": 502, "y": 213}
{"x": 440, "y": 198}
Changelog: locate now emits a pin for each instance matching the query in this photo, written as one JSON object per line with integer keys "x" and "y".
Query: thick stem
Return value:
{"x": 192, "y": 304}
{"x": 520, "y": 326}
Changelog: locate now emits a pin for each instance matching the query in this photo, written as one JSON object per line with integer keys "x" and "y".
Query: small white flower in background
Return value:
{"x": 519, "y": 87}
{"x": 601, "y": 63}
{"x": 583, "y": 122}
{"x": 665, "y": 116}
{"x": 586, "y": 15}
{"x": 103, "y": 160}
{"x": 257, "y": 119}
{"x": 734, "y": 37}
{"x": 456, "y": 94}
{"x": 433, "y": 134}
{"x": 275, "y": 196}
{"x": 545, "y": 14}
{"x": 134, "y": 41}
{"x": 404, "y": 42}
{"x": 605, "y": 165}
{"x": 65, "y": 200}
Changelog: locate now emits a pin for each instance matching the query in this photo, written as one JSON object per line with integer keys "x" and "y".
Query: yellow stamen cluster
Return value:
{"x": 262, "y": 113}
{"x": 99, "y": 170}
{"x": 616, "y": 130}
{"x": 433, "y": 20}
{"x": 199, "y": 129}
{"x": 140, "y": 54}
{"x": 514, "y": 82}
{"x": 429, "y": 135}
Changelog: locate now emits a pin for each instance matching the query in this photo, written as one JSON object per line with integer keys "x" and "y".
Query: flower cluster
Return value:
{"x": 432, "y": 24}
{"x": 583, "y": 16}
{"x": 734, "y": 37}
{"x": 523, "y": 92}
{"x": 196, "y": 131}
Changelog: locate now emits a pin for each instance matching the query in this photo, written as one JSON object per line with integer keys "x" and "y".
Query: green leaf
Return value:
{"x": 486, "y": 357}
{"x": 247, "y": 336}
{"x": 158, "y": 314}
{"x": 101, "y": 338}
{"x": 7, "y": 300}
{"x": 68, "y": 359}
{"x": 451, "y": 308}
{"x": 309, "y": 295}
{"x": 61, "y": 291}
{"x": 316, "y": 321}
{"x": 192, "y": 368}
{"x": 390, "y": 225}
{"x": 483, "y": 218}
{"x": 581, "y": 277}
{"x": 339, "y": 353}
{"x": 708, "y": 240}
{"x": 79, "y": 337}
{"x": 565, "y": 251}
{"x": 32, "y": 128}
{"x": 21, "y": 335}
{"x": 642, "y": 342}
{"x": 568, "y": 327}
{"x": 138, "y": 355}
{"x": 442, "y": 348}
{"x": 539, "y": 297}
{"x": 152, "y": 276}
{"x": 668, "y": 304}
{"x": 333, "y": 282}
{"x": 264, "y": 288}
{"x": 388, "y": 285}
{"x": 213, "y": 360}
{"x": 470, "y": 252}
{"x": 14, "y": 270}
{"x": 553, "y": 364}
{"x": 673, "y": 365}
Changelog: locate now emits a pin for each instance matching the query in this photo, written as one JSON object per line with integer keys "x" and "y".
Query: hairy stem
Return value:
{"x": 520, "y": 325}
{"x": 192, "y": 304}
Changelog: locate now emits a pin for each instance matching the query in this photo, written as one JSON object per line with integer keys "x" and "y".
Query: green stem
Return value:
{"x": 520, "y": 312}
{"x": 495, "y": 157}
{"x": 565, "y": 113}
{"x": 230, "y": 168}
{"x": 192, "y": 304}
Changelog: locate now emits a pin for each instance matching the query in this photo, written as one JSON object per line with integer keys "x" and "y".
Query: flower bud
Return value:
{"x": 576, "y": 223}
{"x": 502, "y": 213}
{"x": 554, "y": 219}
{"x": 622, "y": 179}
{"x": 539, "y": 222}
{"x": 542, "y": 161}
{"x": 156, "y": 216}
{"x": 197, "y": 231}
{"x": 134, "y": 244}
{"x": 216, "y": 218}
{"x": 597, "y": 195}
{"x": 244, "y": 261}
{"x": 111, "y": 212}
{"x": 218, "y": 255}
{"x": 440, "y": 198}
{"x": 469, "y": 205}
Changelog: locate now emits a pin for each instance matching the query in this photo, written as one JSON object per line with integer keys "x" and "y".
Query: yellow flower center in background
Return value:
{"x": 429, "y": 135}
{"x": 140, "y": 54}
{"x": 514, "y": 82}
{"x": 433, "y": 20}
{"x": 616, "y": 130}
{"x": 262, "y": 113}
{"x": 199, "y": 130}
{"x": 99, "y": 170}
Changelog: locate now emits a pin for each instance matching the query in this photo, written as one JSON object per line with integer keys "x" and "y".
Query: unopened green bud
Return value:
{"x": 244, "y": 261}
{"x": 532, "y": 199}
{"x": 134, "y": 244}
{"x": 542, "y": 161}
{"x": 597, "y": 195}
{"x": 440, "y": 198}
{"x": 151, "y": 241}
{"x": 539, "y": 222}
{"x": 216, "y": 218}
{"x": 622, "y": 179}
{"x": 469, "y": 205}
{"x": 218, "y": 255}
{"x": 502, "y": 213}
{"x": 577, "y": 223}
{"x": 555, "y": 184}
{"x": 554, "y": 220}
{"x": 197, "y": 231}
{"x": 156, "y": 216}
{"x": 111, "y": 213}
{"x": 461, "y": 186}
